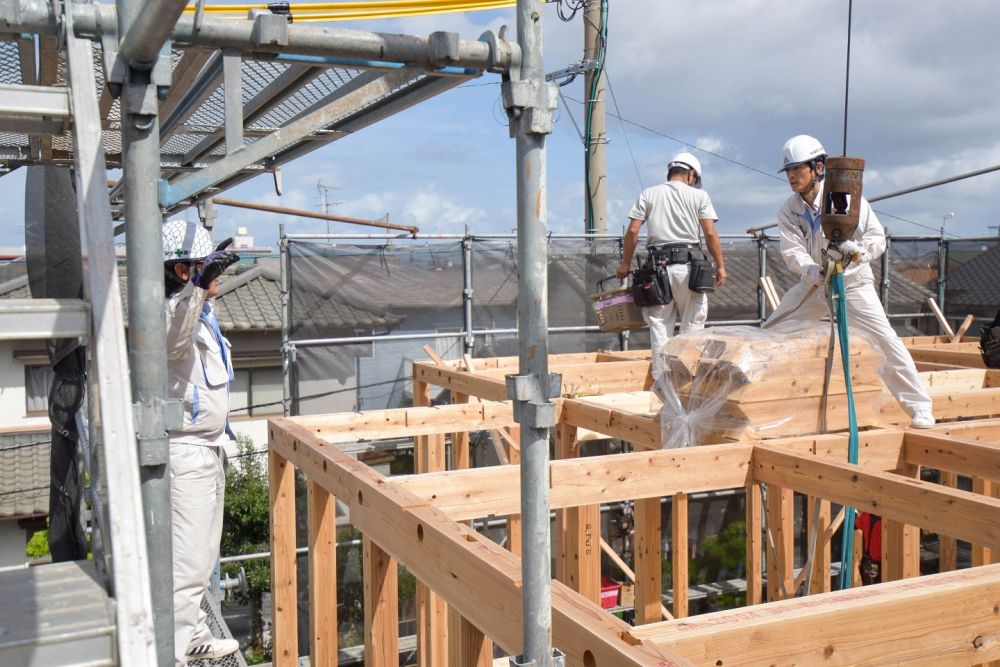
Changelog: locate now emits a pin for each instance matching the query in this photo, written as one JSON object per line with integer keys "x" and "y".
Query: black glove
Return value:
{"x": 214, "y": 266}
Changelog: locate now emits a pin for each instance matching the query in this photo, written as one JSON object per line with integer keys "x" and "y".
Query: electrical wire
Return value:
{"x": 847, "y": 70}
{"x": 614, "y": 100}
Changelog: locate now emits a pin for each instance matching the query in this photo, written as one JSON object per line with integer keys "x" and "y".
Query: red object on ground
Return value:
{"x": 609, "y": 592}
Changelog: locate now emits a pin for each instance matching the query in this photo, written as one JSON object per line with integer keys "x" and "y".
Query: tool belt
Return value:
{"x": 701, "y": 277}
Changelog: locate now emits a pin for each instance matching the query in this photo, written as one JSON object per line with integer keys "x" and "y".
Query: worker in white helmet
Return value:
{"x": 199, "y": 370}
{"x": 677, "y": 212}
{"x": 803, "y": 161}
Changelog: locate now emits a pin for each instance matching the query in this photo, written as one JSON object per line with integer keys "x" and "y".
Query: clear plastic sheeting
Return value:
{"x": 728, "y": 383}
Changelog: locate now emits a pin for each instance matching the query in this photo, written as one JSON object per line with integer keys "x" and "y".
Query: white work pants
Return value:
{"x": 197, "y": 492}
{"x": 865, "y": 313}
{"x": 690, "y": 307}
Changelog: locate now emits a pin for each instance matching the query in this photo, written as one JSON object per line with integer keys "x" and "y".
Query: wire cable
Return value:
{"x": 847, "y": 74}
{"x": 618, "y": 113}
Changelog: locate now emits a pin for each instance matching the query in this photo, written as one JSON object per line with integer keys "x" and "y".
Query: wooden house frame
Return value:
{"x": 470, "y": 598}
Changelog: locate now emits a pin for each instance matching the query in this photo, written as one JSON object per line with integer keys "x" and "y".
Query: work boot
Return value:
{"x": 217, "y": 648}
{"x": 922, "y": 419}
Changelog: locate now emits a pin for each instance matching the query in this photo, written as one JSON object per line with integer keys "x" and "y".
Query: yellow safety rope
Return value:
{"x": 350, "y": 11}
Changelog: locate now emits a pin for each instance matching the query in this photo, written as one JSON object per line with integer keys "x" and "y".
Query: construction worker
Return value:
{"x": 803, "y": 161}
{"x": 199, "y": 370}
{"x": 676, "y": 211}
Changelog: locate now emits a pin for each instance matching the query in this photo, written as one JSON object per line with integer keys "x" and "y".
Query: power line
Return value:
{"x": 614, "y": 100}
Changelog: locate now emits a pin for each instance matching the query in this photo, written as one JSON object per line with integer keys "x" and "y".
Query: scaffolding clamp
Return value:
{"x": 558, "y": 659}
{"x": 531, "y": 407}
{"x": 529, "y": 105}
{"x": 152, "y": 421}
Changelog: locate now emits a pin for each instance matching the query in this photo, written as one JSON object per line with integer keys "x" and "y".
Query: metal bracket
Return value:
{"x": 442, "y": 48}
{"x": 152, "y": 421}
{"x": 501, "y": 51}
{"x": 530, "y": 408}
{"x": 268, "y": 29}
{"x": 529, "y": 105}
{"x": 575, "y": 69}
{"x": 558, "y": 659}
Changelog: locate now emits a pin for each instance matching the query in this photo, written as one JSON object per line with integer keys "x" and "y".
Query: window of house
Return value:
{"x": 37, "y": 381}
{"x": 255, "y": 392}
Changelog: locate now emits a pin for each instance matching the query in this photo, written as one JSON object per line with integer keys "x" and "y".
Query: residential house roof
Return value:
{"x": 974, "y": 286}
{"x": 24, "y": 474}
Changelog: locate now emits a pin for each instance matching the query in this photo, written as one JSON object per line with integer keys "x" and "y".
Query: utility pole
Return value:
{"x": 595, "y": 204}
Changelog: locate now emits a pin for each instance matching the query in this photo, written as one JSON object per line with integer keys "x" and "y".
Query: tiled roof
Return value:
{"x": 24, "y": 474}
{"x": 251, "y": 300}
{"x": 975, "y": 284}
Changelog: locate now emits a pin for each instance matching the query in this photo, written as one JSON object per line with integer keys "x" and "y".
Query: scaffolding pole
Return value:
{"x": 529, "y": 102}
{"x": 140, "y": 24}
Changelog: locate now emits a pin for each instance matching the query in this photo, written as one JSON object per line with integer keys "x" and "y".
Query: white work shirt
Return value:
{"x": 671, "y": 211}
{"x": 802, "y": 240}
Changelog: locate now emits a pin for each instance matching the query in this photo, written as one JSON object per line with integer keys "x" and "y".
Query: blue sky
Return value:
{"x": 734, "y": 77}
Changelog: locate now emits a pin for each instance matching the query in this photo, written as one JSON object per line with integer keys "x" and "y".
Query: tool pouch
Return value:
{"x": 651, "y": 286}
{"x": 701, "y": 276}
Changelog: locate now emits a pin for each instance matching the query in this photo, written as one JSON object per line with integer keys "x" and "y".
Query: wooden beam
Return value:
{"x": 467, "y": 645}
{"x": 947, "y": 546}
{"x": 901, "y": 541}
{"x": 579, "y": 533}
{"x": 477, "y": 577}
{"x": 381, "y": 576}
{"x": 755, "y": 546}
{"x": 929, "y": 506}
{"x": 912, "y": 622}
{"x": 953, "y": 454}
{"x": 648, "y": 551}
{"x": 780, "y": 546}
{"x": 679, "y": 552}
{"x": 820, "y": 580}
{"x": 482, "y": 492}
{"x": 284, "y": 589}
{"x": 966, "y": 323}
{"x": 942, "y": 320}
{"x": 322, "y": 577}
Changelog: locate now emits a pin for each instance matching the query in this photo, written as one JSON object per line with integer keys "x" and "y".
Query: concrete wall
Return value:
{"x": 13, "y": 542}
{"x": 12, "y": 398}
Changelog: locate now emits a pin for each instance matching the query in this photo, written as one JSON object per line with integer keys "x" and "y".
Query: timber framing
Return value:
{"x": 417, "y": 521}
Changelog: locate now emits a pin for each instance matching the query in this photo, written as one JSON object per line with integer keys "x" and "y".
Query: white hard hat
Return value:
{"x": 687, "y": 161}
{"x": 801, "y": 149}
{"x": 186, "y": 241}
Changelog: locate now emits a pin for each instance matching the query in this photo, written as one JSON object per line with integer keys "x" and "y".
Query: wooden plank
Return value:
{"x": 755, "y": 545}
{"x": 953, "y": 454}
{"x": 467, "y": 645}
{"x": 404, "y": 422}
{"x": 460, "y": 452}
{"x": 947, "y": 546}
{"x": 459, "y": 381}
{"x": 648, "y": 553}
{"x": 679, "y": 552}
{"x": 966, "y": 323}
{"x": 482, "y": 492}
{"x": 966, "y": 359}
{"x": 930, "y": 506}
{"x": 780, "y": 551}
{"x": 901, "y": 541}
{"x": 578, "y": 533}
{"x": 942, "y": 320}
{"x": 911, "y": 622}
{"x": 820, "y": 580}
{"x": 477, "y": 577}
{"x": 381, "y": 581}
{"x": 981, "y": 555}
{"x": 514, "y": 519}
{"x": 322, "y": 577}
{"x": 284, "y": 589}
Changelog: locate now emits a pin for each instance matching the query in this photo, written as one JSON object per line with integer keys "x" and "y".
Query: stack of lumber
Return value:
{"x": 730, "y": 383}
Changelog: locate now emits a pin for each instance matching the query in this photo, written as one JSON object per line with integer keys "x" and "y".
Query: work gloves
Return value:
{"x": 813, "y": 276}
{"x": 214, "y": 265}
{"x": 849, "y": 251}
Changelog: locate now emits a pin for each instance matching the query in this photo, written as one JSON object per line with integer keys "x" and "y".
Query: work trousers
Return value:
{"x": 691, "y": 308}
{"x": 197, "y": 494}
{"x": 865, "y": 313}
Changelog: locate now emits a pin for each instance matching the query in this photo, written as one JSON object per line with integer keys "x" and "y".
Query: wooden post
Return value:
{"x": 322, "y": 577}
{"x": 648, "y": 548}
{"x": 381, "y": 607}
{"x": 858, "y": 552}
{"x": 948, "y": 546}
{"x": 284, "y": 591}
{"x": 514, "y": 520}
{"x": 820, "y": 582}
{"x": 901, "y": 542}
{"x": 578, "y": 533}
{"x": 981, "y": 555}
{"x": 780, "y": 506}
{"x": 432, "y": 611}
{"x": 467, "y": 645}
{"x": 679, "y": 552}
{"x": 460, "y": 454}
{"x": 755, "y": 545}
